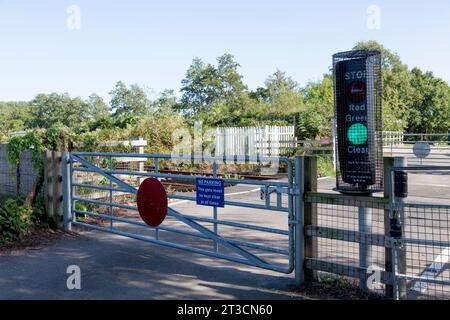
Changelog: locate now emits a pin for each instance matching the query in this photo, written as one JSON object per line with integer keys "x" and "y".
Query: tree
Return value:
{"x": 396, "y": 87}
{"x": 279, "y": 99}
{"x": 58, "y": 110}
{"x": 205, "y": 85}
{"x": 14, "y": 116}
{"x": 283, "y": 94}
{"x": 166, "y": 102}
{"x": 389, "y": 59}
{"x": 319, "y": 101}
{"x": 430, "y": 109}
{"x": 232, "y": 89}
{"x": 132, "y": 100}
{"x": 97, "y": 107}
{"x": 279, "y": 83}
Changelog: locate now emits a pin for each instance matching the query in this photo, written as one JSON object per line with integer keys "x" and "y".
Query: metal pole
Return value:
{"x": 66, "y": 175}
{"x": 110, "y": 193}
{"x": 156, "y": 171}
{"x": 299, "y": 220}
{"x": 365, "y": 250}
{"x": 388, "y": 251}
{"x": 400, "y": 250}
{"x": 216, "y": 229}
{"x": 334, "y": 133}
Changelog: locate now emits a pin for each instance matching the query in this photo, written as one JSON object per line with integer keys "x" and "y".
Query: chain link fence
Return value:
{"x": 16, "y": 180}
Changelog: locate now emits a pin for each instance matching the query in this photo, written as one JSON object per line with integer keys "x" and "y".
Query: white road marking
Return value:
{"x": 243, "y": 192}
{"x": 178, "y": 202}
{"x": 433, "y": 270}
{"x": 430, "y": 185}
{"x": 226, "y": 195}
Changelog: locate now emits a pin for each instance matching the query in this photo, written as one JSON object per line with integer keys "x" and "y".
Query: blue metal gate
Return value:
{"x": 256, "y": 228}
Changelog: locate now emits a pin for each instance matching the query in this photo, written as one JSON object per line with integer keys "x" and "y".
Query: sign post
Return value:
{"x": 421, "y": 150}
{"x": 357, "y": 83}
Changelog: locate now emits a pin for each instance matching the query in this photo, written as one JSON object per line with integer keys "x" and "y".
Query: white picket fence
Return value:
{"x": 392, "y": 138}
{"x": 252, "y": 141}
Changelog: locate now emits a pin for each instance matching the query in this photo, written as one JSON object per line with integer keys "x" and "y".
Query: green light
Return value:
{"x": 357, "y": 134}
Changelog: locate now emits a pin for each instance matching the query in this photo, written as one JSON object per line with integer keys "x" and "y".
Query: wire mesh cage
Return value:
{"x": 358, "y": 109}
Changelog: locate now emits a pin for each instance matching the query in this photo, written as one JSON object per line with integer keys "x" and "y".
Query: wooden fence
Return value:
{"x": 53, "y": 186}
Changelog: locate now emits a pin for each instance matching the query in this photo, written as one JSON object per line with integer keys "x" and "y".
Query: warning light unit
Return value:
{"x": 358, "y": 110}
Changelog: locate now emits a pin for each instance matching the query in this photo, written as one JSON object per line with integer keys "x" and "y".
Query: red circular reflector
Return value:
{"x": 152, "y": 202}
{"x": 356, "y": 91}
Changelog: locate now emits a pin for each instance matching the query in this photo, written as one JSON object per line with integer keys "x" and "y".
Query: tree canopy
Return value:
{"x": 414, "y": 101}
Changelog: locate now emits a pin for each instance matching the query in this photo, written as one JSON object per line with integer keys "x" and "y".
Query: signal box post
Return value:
{"x": 359, "y": 145}
{"x": 357, "y": 83}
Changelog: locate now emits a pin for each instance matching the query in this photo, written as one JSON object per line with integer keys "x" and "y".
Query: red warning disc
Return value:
{"x": 152, "y": 202}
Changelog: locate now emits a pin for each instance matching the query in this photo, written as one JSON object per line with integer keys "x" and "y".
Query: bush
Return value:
{"x": 325, "y": 167}
{"x": 15, "y": 221}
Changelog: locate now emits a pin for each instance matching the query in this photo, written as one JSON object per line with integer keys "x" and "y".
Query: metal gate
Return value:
{"x": 256, "y": 227}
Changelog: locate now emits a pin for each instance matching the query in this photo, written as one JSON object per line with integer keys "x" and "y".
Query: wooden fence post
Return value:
{"x": 53, "y": 187}
{"x": 58, "y": 195}
{"x": 310, "y": 214}
{"x": 48, "y": 165}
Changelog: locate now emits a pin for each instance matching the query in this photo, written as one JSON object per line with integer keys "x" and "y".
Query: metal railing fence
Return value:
{"x": 422, "y": 249}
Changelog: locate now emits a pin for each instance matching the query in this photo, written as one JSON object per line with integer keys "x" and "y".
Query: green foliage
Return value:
{"x": 39, "y": 217}
{"x": 430, "y": 107}
{"x": 396, "y": 87}
{"x": 15, "y": 221}
{"x": 310, "y": 125}
{"x": 325, "y": 167}
{"x": 97, "y": 107}
{"x": 126, "y": 101}
{"x": 206, "y": 85}
{"x": 14, "y": 117}
{"x": 36, "y": 142}
{"x": 56, "y": 110}
{"x": 335, "y": 281}
{"x": 30, "y": 142}
{"x": 166, "y": 103}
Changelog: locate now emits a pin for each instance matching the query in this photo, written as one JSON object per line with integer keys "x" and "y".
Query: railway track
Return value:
{"x": 240, "y": 175}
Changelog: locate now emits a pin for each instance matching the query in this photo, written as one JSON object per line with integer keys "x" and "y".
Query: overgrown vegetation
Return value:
{"x": 18, "y": 219}
{"x": 325, "y": 167}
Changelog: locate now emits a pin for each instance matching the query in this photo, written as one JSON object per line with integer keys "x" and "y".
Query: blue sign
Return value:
{"x": 210, "y": 192}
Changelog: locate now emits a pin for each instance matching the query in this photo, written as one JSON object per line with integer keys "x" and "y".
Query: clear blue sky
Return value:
{"x": 152, "y": 43}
